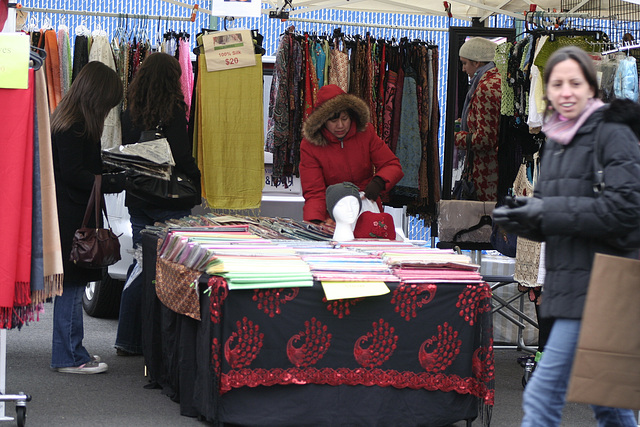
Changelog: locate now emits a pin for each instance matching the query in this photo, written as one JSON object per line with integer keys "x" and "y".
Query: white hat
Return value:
{"x": 478, "y": 49}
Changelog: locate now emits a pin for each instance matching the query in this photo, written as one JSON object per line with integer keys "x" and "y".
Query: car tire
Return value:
{"x": 102, "y": 298}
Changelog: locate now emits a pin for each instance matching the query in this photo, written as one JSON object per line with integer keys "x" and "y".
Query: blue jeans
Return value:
{"x": 68, "y": 329}
{"x": 129, "y": 335}
{"x": 544, "y": 395}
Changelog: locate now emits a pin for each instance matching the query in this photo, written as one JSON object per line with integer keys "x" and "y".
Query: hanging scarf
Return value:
{"x": 472, "y": 89}
{"x": 562, "y": 130}
{"x": 16, "y": 176}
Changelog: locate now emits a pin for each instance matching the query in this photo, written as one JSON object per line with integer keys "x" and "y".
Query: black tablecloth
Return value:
{"x": 420, "y": 355}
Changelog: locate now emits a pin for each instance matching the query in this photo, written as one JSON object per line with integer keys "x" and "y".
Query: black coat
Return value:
{"x": 181, "y": 148}
{"x": 76, "y": 161}
{"x": 576, "y": 223}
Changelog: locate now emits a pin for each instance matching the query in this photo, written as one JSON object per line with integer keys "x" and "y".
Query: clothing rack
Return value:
{"x": 21, "y": 398}
{"x": 106, "y": 14}
{"x": 625, "y": 46}
{"x": 352, "y": 24}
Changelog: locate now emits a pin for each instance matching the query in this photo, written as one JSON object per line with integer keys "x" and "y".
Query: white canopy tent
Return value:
{"x": 462, "y": 9}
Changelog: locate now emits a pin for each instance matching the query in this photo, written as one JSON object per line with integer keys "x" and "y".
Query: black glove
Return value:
{"x": 521, "y": 216}
{"x": 113, "y": 182}
{"x": 374, "y": 188}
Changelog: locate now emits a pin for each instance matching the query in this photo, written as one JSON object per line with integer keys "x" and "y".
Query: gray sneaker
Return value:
{"x": 91, "y": 367}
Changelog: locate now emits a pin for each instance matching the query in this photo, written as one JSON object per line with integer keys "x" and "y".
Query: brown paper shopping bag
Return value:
{"x": 606, "y": 368}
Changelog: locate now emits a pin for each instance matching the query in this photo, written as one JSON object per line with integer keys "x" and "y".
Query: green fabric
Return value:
{"x": 230, "y": 136}
{"x": 586, "y": 43}
{"x": 502, "y": 59}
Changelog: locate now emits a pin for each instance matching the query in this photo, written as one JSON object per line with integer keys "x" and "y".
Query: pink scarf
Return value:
{"x": 562, "y": 130}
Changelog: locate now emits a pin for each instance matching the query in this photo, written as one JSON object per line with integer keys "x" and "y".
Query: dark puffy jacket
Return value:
{"x": 576, "y": 222}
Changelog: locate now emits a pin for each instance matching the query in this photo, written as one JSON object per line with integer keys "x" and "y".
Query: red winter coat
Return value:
{"x": 357, "y": 158}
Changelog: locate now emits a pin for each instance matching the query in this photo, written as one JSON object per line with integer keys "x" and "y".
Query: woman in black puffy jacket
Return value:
{"x": 574, "y": 220}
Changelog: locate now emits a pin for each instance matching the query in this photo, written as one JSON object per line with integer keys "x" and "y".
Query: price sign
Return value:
{"x": 224, "y": 50}
{"x": 14, "y": 61}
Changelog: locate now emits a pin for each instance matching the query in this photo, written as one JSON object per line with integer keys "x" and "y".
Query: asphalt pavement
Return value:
{"x": 117, "y": 397}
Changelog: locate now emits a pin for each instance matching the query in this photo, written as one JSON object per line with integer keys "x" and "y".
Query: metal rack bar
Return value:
{"x": 107, "y": 14}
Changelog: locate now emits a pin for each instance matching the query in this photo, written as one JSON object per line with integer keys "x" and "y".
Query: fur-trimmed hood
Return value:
{"x": 329, "y": 101}
{"x": 624, "y": 111}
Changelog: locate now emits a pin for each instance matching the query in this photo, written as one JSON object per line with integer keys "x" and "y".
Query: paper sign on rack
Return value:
{"x": 344, "y": 290}
{"x": 226, "y": 50}
{"x": 14, "y": 61}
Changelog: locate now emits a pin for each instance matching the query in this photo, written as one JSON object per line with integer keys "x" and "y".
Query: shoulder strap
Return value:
{"x": 96, "y": 203}
{"x": 598, "y": 172}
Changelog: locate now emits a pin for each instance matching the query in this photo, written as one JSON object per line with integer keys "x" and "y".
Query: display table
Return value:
{"x": 420, "y": 355}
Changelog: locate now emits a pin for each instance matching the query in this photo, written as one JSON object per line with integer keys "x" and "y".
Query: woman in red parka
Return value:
{"x": 340, "y": 145}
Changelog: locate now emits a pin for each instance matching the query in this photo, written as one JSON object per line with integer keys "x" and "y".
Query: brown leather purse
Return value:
{"x": 95, "y": 247}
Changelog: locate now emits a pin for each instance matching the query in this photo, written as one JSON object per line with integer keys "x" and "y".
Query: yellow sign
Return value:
{"x": 14, "y": 61}
{"x": 344, "y": 290}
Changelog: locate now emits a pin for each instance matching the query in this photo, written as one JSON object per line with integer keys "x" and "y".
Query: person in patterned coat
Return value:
{"x": 480, "y": 121}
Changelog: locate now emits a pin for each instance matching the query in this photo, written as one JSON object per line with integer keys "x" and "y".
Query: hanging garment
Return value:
{"x": 52, "y": 66}
{"x": 397, "y": 111}
{"x": 64, "y": 52}
{"x": 186, "y": 79}
{"x": 608, "y": 68}
{"x": 51, "y": 250}
{"x": 409, "y": 149}
{"x": 101, "y": 51}
{"x": 319, "y": 62}
{"x": 390, "y": 97}
{"x": 230, "y": 136}
{"x": 16, "y": 176}
{"x": 80, "y": 55}
{"x": 339, "y": 71}
{"x": 626, "y": 80}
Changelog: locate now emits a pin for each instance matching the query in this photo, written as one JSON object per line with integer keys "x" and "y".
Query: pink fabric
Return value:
{"x": 186, "y": 80}
{"x": 4, "y": 12}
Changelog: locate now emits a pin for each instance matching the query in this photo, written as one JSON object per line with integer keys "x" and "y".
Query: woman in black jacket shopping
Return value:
{"x": 76, "y": 127}
{"x": 155, "y": 102}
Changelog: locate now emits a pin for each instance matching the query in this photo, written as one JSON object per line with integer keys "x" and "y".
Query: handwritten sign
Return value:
{"x": 14, "y": 61}
{"x": 225, "y": 50}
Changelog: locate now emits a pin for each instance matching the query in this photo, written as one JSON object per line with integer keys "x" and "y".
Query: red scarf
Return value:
{"x": 16, "y": 177}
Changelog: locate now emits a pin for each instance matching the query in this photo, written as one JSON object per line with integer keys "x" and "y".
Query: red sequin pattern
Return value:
{"x": 362, "y": 376}
{"x": 438, "y": 352}
{"x": 340, "y": 307}
{"x": 405, "y": 298}
{"x": 246, "y": 342}
{"x": 382, "y": 343}
{"x": 219, "y": 291}
{"x": 270, "y": 300}
{"x": 473, "y": 301}
{"x": 315, "y": 342}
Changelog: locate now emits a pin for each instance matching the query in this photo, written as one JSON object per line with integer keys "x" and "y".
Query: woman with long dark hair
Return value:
{"x": 574, "y": 221}
{"x": 76, "y": 127}
{"x": 155, "y": 102}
